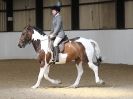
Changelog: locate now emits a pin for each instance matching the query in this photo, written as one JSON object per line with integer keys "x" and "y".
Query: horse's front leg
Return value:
{"x": 46, "y": 72}
{"x": 40, "y": 76}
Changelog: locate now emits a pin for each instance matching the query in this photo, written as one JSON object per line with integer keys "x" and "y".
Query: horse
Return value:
{"x": 78, "y": 49}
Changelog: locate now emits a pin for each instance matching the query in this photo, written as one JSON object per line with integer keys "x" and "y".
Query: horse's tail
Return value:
{"x": 97, "y": 52}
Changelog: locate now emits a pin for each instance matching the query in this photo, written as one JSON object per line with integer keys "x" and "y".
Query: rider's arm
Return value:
{"x": 57, "y": 27}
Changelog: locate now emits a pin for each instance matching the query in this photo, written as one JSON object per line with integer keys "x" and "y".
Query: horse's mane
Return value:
{"x": 39, "y": 30}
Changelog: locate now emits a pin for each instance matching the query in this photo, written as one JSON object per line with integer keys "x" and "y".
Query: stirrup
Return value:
{"x": 51, "y": 63}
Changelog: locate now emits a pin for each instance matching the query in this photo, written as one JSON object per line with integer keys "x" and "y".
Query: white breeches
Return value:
{"x": 57, "y": 41}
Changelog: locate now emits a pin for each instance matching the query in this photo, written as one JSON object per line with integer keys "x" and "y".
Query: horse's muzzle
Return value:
{"x": 19, "y": 45}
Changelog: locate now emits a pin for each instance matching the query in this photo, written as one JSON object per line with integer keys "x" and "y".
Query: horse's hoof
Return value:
{"x": 34, "y": 87}
{"x": 73, "y": 86}
{"x": 101, "y": 82}
{"x": 57, "y": 82}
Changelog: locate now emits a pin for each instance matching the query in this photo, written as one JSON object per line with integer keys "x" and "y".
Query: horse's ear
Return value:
{"x": 29, "y": 27}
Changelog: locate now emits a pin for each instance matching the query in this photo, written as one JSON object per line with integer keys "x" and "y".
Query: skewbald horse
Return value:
{"x": 80, "y": 50}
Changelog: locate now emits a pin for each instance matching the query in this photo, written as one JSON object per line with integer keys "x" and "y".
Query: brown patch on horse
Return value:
{"x": 82, "y": 52}
{"x": 75, "y": 51}
{"x": 36, "y": 45}
{"x": 41, "y": 58}
{"x": 48, "y": 57}
{"x": 71, "y": 51}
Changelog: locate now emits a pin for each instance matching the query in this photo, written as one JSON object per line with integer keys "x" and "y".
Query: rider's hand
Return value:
{"x": 50, "y": 33}
{"x": 51, "y": 36}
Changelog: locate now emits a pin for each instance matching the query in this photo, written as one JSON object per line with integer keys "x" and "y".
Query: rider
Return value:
{"x": 57, "y": 32}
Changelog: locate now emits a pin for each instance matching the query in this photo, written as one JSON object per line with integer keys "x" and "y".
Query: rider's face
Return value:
{"x": 54, "y": 12}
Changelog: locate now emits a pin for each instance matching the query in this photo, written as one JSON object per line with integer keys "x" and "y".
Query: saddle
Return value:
{"x": 61, "y": 44}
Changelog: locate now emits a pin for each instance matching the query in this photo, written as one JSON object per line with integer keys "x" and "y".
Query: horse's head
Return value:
{"x": 26, "y": 36}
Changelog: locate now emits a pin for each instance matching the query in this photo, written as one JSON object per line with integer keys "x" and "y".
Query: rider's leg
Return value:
{"x": 56, "y": 48}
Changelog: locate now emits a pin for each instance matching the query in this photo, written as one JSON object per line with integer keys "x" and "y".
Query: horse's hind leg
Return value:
{"x": 95, "y": 69}
{"x": 90, "y": 54}
{"x": 80, "y": 72}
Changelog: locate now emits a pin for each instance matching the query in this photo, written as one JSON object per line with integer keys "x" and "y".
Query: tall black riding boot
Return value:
{"x": 56, "y": 54}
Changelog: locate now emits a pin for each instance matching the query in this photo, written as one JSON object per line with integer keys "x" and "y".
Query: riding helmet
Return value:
{"x": 57, "y": 8}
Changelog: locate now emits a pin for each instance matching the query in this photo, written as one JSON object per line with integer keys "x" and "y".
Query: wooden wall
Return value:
{"x": 92, "y": 15}
{"x": 2, "y": 16}
{"x": 129, "y": 14}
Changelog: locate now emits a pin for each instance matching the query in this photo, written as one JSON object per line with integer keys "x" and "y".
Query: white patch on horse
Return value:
{"x": 43, "y": 39}
{"x": 37, "y": 36}
{"x": 62, "y": 58}
{"x": 44, "y": 45}
{"x": 88, "y": 46}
